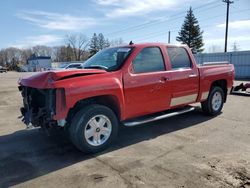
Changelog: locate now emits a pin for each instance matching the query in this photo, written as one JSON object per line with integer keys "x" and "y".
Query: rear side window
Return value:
{"x": 149, "y": 60}
{"x": 178, "y": 57}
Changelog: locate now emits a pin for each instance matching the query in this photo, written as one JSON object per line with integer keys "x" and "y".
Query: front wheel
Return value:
{"x": 214, "y": 103}
{"x": 93, "y": 128}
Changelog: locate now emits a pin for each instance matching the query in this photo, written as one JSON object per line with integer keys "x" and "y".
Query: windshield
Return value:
{"x": 109, "y": 59}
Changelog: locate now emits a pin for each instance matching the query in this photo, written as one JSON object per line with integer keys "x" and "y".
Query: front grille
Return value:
{"x": 39, "y": 105}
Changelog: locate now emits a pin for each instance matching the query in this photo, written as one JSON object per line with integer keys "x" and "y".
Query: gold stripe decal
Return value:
{"x": 183, "y": 99}
{"x": 204, "y": 95}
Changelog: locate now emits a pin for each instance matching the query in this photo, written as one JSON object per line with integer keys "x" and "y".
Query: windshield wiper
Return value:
{"x": 97, "y": 67}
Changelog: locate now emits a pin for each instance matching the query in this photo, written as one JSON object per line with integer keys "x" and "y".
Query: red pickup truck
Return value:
{"x": 127, "y": 85}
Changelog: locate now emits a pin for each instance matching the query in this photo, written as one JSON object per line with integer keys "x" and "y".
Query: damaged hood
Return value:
{"x": 46, "y": 79}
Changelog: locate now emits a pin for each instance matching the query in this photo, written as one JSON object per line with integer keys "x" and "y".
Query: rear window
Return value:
{"x": 178, "y": 57}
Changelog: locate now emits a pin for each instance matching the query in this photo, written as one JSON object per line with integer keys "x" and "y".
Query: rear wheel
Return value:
{"x": 214, "y": 103}
{"x": 93, "y": 128}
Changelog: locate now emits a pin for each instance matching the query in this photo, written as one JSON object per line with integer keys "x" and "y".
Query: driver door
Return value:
{"x": 146, "y": 84}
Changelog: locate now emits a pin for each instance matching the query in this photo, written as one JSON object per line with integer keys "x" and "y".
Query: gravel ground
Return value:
{"x": 191, "y": 150}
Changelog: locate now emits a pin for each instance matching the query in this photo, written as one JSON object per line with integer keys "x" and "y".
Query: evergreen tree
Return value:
{"x": 94, "y": 47}
{"x": 107, "y": 43}
{"x": 101, "y": 41}
{"x": 190, "y": 33}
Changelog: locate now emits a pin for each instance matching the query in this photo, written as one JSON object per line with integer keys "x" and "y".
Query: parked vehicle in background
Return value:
{"x": 70, "y": 66}
{"x": 127, "y": 85}
{"x": 2, "y": 69}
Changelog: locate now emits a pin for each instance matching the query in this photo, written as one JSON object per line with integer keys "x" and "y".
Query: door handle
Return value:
{"x": 192, "y": 75}
{"x": 163, "y": 79}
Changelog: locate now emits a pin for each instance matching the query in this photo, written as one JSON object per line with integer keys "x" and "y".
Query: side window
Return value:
{"x": 178, "y": 57}
{"x": 149, "y": 60}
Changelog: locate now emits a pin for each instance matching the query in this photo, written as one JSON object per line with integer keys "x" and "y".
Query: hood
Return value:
{"x": 46, "y": 79}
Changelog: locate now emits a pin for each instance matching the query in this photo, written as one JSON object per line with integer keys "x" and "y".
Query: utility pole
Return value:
{"x": 168, "y": 37}
{"x": 228, "y": 2}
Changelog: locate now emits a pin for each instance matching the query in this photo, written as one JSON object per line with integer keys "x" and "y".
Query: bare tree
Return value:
{"x": 11, "y": 57}
{"x": 79, "y": 44}
{"x": 41, "y": 50}
{"x": 215, "y": 48}
{"x": 116, "y": 42}
{"x": 15, "y": 57}
{"x": 3, "y": 57}
{"x": 56, "y": 53}
{"x": 13, "y": 53}
{"x": 25, "y": 54}
{"x": 235, "y": 47}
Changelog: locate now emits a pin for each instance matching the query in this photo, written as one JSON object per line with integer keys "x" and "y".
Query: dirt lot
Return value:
{"x": 191, "y": 150}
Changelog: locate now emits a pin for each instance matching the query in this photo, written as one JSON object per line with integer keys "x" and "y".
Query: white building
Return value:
{"x": 40, "y": 63}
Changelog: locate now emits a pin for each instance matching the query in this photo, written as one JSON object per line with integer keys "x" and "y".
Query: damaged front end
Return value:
{"x": 39, "y": 106}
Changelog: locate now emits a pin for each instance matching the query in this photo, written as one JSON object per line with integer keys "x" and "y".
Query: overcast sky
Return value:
{"x": 25, "y": 23}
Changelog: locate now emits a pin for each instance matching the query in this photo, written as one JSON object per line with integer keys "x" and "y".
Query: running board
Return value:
{"x": 148, "y": 119}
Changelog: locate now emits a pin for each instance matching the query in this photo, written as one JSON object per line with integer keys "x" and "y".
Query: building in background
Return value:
{"x": 240, "y": 60}
{"x": 39, "y": 63}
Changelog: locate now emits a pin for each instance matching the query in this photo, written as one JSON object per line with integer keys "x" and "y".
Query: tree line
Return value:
{"x": 77, "y": 47}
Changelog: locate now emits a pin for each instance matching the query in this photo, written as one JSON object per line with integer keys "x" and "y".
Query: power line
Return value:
{"x": 153, "y": 23}
{"x": 175, "y": 29}
{"x": 157, "y": 33}
{"x": 159, "y": 21}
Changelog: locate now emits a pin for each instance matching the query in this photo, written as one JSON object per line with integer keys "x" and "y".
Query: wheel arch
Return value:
{"x": 110, "y": 101}
{"x": 222, "y": 84}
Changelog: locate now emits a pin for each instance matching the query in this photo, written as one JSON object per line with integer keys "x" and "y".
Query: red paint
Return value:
{"x": 136, "y": 94}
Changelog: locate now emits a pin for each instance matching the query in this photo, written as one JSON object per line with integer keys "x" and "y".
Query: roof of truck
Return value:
{"x": 153, "y": 44}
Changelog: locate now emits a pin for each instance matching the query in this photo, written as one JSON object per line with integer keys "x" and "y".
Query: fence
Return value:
{"x": 240, "y": 59}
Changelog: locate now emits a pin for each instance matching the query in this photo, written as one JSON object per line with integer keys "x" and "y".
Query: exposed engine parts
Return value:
{"x": 39, "y": 106}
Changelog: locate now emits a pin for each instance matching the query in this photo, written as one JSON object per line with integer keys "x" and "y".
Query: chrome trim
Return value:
{"x": 216, "y": 63}
{"x": 183, "y": 99}
{"x": 150, "y": 119}
{"x": 192, "y": 76}
{"x": 204, "y": 95}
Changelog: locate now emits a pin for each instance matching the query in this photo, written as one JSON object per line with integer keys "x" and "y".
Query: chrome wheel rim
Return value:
{"x": 216, "y": 101}
{"x": 98, "y": 130}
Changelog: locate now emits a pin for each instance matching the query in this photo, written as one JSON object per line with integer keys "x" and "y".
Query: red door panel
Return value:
{"x": 185, "y": 86}
{"x": 184, "y": 77}
{"x": 146, "y": 93}
{"x": 146, "y": 85}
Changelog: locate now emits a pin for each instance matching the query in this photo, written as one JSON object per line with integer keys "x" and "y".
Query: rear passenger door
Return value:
{"x": 146, "y": 86}
{"x": 184, "y": 77}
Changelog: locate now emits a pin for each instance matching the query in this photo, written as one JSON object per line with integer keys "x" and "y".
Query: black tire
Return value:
{"x": 77, "y": 128}
{"x": 207, "y": 105}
